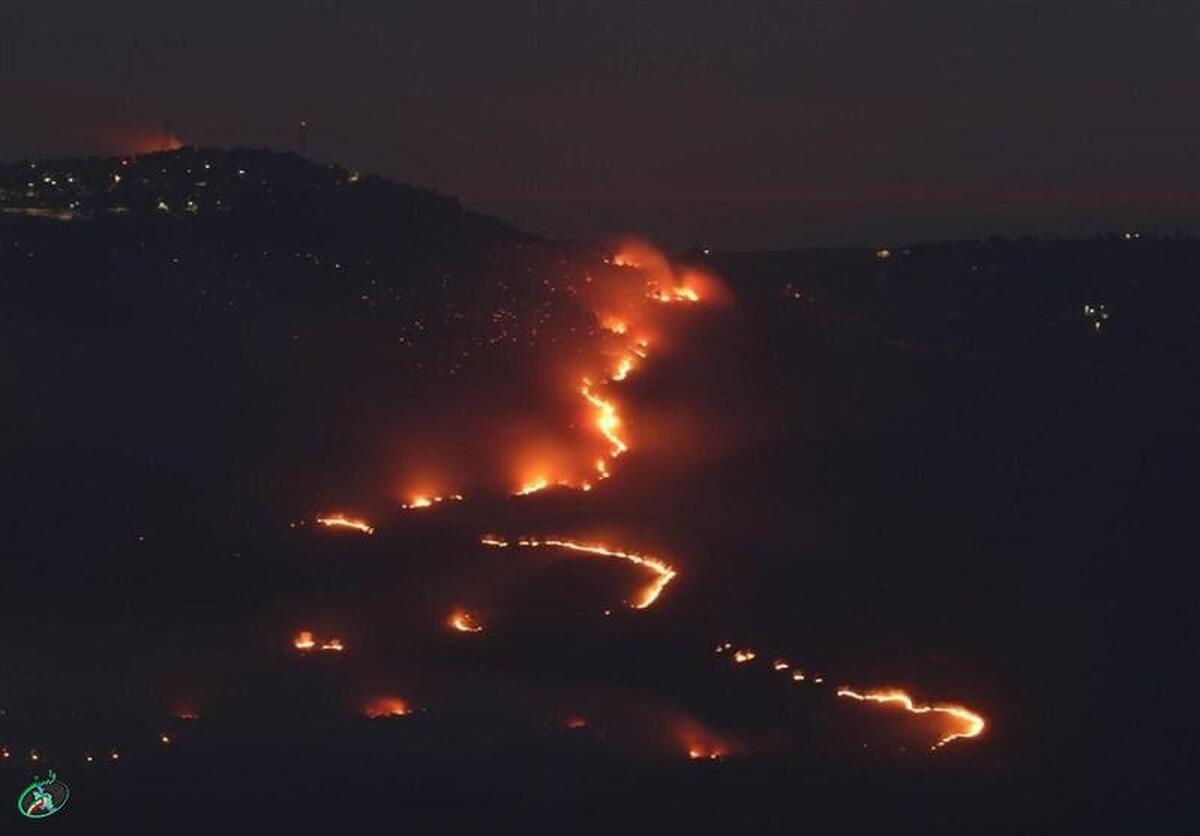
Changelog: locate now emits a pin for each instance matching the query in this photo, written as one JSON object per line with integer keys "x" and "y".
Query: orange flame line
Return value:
{"x": 429, "y": 501}
{"x": 664, "y": 574}
{"x": 607, "y": 419}
{"x": 974, "y": 723}
{"x": 342, "y": 521}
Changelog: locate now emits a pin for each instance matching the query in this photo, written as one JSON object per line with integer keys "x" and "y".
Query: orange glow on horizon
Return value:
{"x": 973, "y": 724}
{"x": 304, "y": 640}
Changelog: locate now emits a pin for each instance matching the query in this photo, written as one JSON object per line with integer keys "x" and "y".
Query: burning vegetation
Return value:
{"x": 305, "y": 641}
{"x": 384, "y": 707}
{"x": 342, "y": 521}
{"x": 462, "y": 621}
{"x": 969, "y": 723}
{"x": 663, "y": 573}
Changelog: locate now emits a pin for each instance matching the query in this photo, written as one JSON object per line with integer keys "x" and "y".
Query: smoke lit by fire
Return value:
{"x": 701, "y": 744}
{"x": 564, "y": 420}
{"x": 575, "y": 440}
{"x": 381, "y": 707}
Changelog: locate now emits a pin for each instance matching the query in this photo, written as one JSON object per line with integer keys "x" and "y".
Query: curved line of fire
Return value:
{"x": 609, "y": 425}
{"x": 663, "y": 574}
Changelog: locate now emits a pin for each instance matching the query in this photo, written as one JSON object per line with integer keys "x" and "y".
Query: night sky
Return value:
{"x": 733, "y": 123}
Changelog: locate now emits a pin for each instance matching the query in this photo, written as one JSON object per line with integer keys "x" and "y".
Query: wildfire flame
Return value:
{"x": 464, "y": 622}
{"x": 674, "y": 294}
{"x": 421, "y": 501}
{"x": 342, "y": 521}
{"x": 662, "y": 283}
{"x": 743, "y": 656}
{"x": 973, "y": 724}
{"x": 701, "y": 743}
{"x": 305, "y": 641}
{"x": 381, "y": 707}
{"x": 624, "y": 366}
{"x": 532, "y": 487}
{"x": 607, "y": 419}
{"x": 663, "y": 573}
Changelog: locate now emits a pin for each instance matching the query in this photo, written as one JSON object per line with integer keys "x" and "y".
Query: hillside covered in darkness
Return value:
{"x": 163, "y": 309}
{"x": 949, "y": 467}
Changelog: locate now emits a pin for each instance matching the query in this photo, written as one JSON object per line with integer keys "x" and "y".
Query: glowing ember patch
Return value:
{"x": 342, "y": 521}
{"x": 743, "y": 656}
{"x": 386, "y": 707}
{"x": 430, "y": 501}
{"x": 574, "y": 721}
{"x": 664, "y": 574}
{"x": 305, "y": 641}
{"x": 697, "y": 753}
{"x": 972, "y": 723}
{"x": 623, "y": 368}
{"x": 464, "y": 622}
{"x": 797, "y": 676}
{"x": 780, "y": 665}
{"x": 674, "y": 294}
